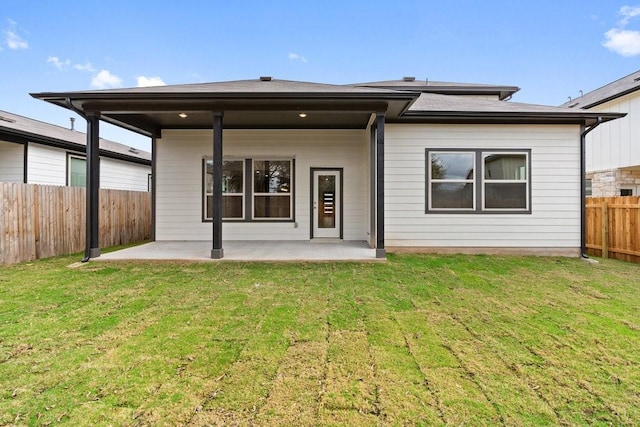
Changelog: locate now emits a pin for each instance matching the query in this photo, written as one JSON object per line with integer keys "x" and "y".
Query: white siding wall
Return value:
{"x": 179, "y": 180}
{"x": 11, "y": 162}
{"x": 46, "y": 165}
{"x": 616, "y": 144}
{"x": 121, "y": 175}
{"x": 555, "y": 185}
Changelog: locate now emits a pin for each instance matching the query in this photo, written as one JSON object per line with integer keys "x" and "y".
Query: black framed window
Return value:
{"x": 505, "y": 183}
{"x": 452, "y": 183}
{"x": 232, "y": 189}
{"x": 260, "y": 189}
{"x": 272, "y": 190}
{"x": 478, "y": 181}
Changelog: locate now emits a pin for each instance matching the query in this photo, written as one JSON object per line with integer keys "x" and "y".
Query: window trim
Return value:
{"x": 482, "y": 155}
{"x": 248, "y": 195}
{"x": 478, "y": 182}
{"x": 588, "y": 187}
{"x": 452, "y": 181}
{"x": 71, "y": 156}
{"x": 290, "y": 194}
{"x": 205, "y": 194}
{"x": 627, "y": 188}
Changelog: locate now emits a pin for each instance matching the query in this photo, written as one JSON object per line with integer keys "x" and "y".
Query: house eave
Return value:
{"x": 501, "y": 92}
{"x": 149, "y": 113}
{"x": 475, "y": 117}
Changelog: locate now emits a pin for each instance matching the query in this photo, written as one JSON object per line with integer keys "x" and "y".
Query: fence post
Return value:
{"x": 605, "y": 229}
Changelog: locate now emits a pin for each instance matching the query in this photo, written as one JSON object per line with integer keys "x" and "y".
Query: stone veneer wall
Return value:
{"x": 608, "y": 183}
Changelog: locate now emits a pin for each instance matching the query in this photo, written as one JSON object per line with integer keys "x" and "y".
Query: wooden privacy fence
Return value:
{"x": 40, "y": 221}
{"x": 613, "y": 227}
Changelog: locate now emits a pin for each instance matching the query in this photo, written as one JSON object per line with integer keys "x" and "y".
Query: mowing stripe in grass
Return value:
{"x": 293, "y": 398}
{"x": 419, "y": 340}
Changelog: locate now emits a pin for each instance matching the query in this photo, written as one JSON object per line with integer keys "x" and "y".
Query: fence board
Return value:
{"x": 612, "y": 227}
{"x": 40, "y": 221}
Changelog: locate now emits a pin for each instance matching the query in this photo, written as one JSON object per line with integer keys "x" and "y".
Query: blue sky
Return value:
{"x": 551, "y": 49}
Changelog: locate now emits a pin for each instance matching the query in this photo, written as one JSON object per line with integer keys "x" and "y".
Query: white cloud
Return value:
{"x": 67, "y": 63}
{"x": 623, "y": 42}
{"x": 85, "y": 67}
{"x": 144, "y": 81}
{"x": 628, "y": 13}
{"x": 59, "y": 64}
{"x": 105, "y": 80}
{"x": 12, "y": 39}
{"x": 296, "y": 57}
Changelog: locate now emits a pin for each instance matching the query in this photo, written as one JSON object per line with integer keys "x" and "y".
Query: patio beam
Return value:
{"x": 380, "y": 251}
{"x": 217, "y": 251}
{"x": 92, "y": 247}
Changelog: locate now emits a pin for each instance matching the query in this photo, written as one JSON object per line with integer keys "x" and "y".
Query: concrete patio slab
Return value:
{"x": 248, "y": 251}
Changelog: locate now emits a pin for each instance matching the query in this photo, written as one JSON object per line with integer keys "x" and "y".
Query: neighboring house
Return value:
{"x": 613, "y": 149}
{"x": 405, "y": 165}
{"x": 35, "y": 152}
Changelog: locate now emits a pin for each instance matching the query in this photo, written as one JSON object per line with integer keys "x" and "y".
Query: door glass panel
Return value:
{"x": 326, "y": 201}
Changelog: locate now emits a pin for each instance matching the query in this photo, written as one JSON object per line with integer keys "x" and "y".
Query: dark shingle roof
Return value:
{"x": 436, "y": 105}
{"x": 255, "y": 86}
{"x": 42, "y": 132}
{"x": 444, "y": 88}
{"x": 621, "y": 87}
{"x": 148, "y": 110}
{"x": 406, "y": 100}
{"x": 436, "y": 102}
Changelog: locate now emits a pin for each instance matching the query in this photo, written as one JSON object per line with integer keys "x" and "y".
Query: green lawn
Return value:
{"x": 420, "y": 340}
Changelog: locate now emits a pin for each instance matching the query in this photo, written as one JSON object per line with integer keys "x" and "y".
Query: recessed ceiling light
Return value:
{"x": 302, "y": 115}
{"x": 183, "y": 115}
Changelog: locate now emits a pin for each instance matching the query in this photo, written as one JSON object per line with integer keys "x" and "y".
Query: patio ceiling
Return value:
{"x": 280, "y": 114}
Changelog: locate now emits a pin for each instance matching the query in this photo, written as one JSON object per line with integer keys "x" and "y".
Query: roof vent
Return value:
{"x": 133, "y": 150}
{"x": 6, "y": 119}
{"x": 637, "y": 79}
{"x": 265, "y": 78}
{"x": 408, "y": 79}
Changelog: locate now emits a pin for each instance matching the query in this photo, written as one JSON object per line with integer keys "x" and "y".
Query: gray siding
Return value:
{"x": 555, "y": 186}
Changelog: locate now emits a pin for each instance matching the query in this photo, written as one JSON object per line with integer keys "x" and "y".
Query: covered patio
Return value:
{"x": 326, "y": 140}
{"x": 295, "y": 251}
